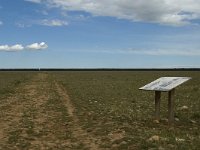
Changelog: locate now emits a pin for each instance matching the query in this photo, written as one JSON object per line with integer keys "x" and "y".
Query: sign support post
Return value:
{"x": 171, "y": 107}
{"x": 157, "y": 105}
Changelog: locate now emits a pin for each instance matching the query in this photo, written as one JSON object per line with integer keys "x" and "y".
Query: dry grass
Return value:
{"x": 94, "y": 110}
{"x": 109, "y": 104}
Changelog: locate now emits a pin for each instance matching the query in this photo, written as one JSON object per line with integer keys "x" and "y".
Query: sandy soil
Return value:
{"x": 40, "y": 115}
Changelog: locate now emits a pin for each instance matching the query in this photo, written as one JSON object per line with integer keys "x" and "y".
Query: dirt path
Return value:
{"x": 40, "y": 115}
{"x": 82, "y": 135}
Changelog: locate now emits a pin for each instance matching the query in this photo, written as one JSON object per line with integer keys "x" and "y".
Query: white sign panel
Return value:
{"x": 165, "y": 83}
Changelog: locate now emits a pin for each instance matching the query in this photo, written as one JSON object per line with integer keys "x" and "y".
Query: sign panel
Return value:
{"x": 165, "y": 84}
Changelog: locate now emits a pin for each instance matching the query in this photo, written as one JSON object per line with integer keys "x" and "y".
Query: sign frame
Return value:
{"x": 165, "y": 84}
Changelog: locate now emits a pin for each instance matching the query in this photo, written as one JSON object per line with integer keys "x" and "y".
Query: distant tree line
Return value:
{"x": 103, "y": 69}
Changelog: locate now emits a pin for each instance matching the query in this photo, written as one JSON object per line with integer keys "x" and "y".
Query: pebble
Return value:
{"x": 176, "y": 119}
{"x": 114, "y": 146}
{"x": 123, "y": 143}
{"x": 184, "y": 108}
{"x": 192, "y": 121}
{"x": 180, "y": 140}
{"x": 156, "y": 121}
{"x": 154, "y": 138}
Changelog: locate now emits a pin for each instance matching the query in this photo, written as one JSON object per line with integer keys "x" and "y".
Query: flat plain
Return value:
{"x": 95, "y": 110}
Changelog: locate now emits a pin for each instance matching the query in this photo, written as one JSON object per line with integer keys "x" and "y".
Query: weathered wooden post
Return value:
{"x": 157, "y": 105}
{"x": 165, "y": 84}
{"x": 171, "y": 106}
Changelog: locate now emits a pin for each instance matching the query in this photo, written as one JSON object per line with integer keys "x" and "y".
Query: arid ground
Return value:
{"x": 95, "y": 110}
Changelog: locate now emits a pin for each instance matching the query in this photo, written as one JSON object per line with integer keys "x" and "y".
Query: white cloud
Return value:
{"x": 37, "y": 46}
{"x": 44, "y": 22}
{"x": 33, "y": 1}
{"x": 19, "y": 47}
{"x": 51, "y": 23}
{"x": 1, "y": 23}
{"x": 22, "y": 25}
{"x": 168, "y": 12}
{"x": 4, "y": 47}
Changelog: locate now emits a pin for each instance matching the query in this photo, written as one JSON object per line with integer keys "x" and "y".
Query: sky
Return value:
{"x": 99, "y": 33}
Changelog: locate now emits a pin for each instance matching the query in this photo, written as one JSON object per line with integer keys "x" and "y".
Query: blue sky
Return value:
{"x": 99, "y": 34}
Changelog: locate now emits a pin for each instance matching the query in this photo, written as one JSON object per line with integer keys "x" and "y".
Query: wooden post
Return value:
{"x": 171, "y": 107}
{"x": 157, "y": 105}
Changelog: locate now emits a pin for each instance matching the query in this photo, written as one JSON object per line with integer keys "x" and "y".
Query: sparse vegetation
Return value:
{"x": 107, "y": 106}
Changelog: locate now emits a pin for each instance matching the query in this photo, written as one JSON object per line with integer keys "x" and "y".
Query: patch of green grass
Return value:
{"x": 109, "y": 101}
{"x": 10, "y": 80}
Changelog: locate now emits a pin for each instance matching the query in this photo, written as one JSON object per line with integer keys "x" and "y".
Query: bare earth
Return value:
{"x": 40, "y": 115}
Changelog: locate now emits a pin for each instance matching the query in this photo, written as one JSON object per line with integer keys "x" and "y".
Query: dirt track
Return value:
{"x": 40, "y": 115}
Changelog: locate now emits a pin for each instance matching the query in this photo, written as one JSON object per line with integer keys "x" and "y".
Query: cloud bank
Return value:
{"x": 52, "y": 23}
{"x": 167, "y": 12}
{"x": 19, "y": 47}
{"x": 37, "y": 46}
